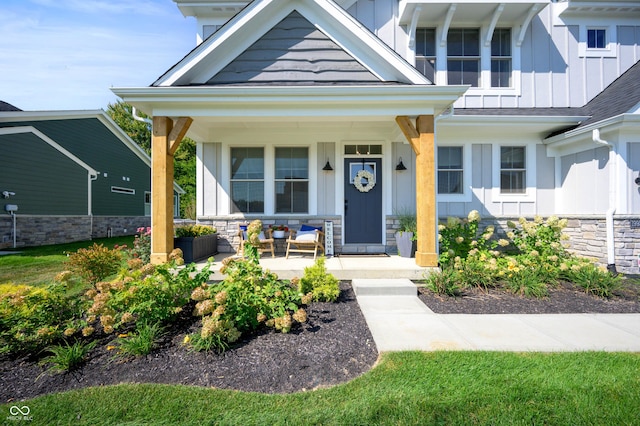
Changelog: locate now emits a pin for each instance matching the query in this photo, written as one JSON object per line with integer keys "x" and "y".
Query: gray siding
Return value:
{"x": 44, "y": 180}
{"x": 585, "y": 182}
{"x": 294, "y": 51}
{"x": 326, "y": 179}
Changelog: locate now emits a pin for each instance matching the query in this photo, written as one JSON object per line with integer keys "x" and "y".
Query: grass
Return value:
{"x": 39, "y": 265}
{"x": 405, "y": 388}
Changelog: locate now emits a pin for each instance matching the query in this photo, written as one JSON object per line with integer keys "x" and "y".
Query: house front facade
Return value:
{"x": 352, "y": 112}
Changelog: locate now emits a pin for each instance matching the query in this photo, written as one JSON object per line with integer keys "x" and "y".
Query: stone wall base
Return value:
{"x": 32, "y": 230}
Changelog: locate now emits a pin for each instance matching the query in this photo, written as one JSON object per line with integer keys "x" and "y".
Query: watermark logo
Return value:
{"x": 20, "y": 413}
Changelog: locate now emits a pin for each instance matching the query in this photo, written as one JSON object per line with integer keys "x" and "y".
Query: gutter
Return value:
{"x": 613, "y": 199}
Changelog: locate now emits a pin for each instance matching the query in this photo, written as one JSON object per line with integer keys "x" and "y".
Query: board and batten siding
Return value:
{"x": 45, "y": 181}
{"x": 585, "y": 182}
{"x": 293, "y": 51}
{"x": 634, "y": 171}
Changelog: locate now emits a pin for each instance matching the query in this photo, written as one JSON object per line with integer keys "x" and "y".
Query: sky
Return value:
{"x": 67, "y": 54}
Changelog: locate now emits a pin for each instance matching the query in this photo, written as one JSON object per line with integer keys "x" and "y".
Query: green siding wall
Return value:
{"x": 96, "y": 145}
{"x": 44, "y": 180}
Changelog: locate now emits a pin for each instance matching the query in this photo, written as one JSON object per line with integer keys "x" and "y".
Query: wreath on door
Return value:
{"x": 364, "y": 174}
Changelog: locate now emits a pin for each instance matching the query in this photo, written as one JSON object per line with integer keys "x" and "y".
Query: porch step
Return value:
{"x": 384, "y": 287}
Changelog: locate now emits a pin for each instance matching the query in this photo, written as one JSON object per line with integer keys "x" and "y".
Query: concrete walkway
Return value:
{"x": 399, "y": 321}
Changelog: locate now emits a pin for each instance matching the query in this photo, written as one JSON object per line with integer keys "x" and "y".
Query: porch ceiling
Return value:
{"x": 235, "y": 107}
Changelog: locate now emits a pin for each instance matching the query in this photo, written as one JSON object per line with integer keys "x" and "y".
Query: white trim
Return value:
{"x": 530, "y": 191}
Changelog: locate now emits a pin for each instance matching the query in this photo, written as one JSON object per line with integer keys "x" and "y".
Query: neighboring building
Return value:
{"x": 74, "y": 175}
{"x": 534, "y": 106}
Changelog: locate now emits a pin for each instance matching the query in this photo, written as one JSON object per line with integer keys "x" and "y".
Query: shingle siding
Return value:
{"x": 293, "y": 51}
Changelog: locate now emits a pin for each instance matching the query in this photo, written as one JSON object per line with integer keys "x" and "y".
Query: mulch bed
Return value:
{"x": 333, "y": 347}
{"x": 565, "y": 299}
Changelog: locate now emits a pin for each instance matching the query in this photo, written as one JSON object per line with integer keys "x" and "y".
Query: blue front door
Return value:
{"x": 363, "y": 201}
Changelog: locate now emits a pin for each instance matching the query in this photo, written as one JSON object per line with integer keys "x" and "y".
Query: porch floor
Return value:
{"x": 342, "y": 267}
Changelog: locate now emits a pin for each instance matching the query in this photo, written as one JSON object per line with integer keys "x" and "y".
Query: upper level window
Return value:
{"x": 596, "y": 38}
{"x": 292, "y": 180}
{"x": 450, "y": 170}
{"x": 501, "y": 58}
{"x": 247, "y": 180}
{"x": 426, "y": 52}
{"x": 513, "y": 171}
{"x": 463, "y": 56}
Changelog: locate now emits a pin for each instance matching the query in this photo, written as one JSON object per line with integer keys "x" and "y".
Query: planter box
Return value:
{"x": 406, "y": 247}
{"x": 197, "y": 248}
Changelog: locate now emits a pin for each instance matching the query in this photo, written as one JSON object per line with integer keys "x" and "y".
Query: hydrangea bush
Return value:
{"x": 527, "y": 262}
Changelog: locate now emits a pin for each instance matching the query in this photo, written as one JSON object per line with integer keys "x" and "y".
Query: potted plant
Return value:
{"x": 406, "y": 234}
{"x": 197, "y": 242}
{"x": 278, "y": 230}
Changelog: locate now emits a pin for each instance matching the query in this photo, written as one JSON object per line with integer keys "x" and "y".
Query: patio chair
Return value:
{"x": 308, "y": 239}
{"x": 266, "y": 241}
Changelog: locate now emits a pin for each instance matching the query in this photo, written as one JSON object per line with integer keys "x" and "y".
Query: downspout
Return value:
{"x": 613, "y": 199}
{"x": 92, "y": 177}
{"x": 136, "y": 117}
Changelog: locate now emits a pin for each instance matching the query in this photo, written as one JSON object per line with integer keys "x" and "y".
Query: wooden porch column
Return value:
{"x": 421, "y": 138}
{"x": 165, "y": 140}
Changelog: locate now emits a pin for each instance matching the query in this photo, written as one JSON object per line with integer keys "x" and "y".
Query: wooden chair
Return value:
{"x": 266, "y": 241}
{"x": 305, "y": 241}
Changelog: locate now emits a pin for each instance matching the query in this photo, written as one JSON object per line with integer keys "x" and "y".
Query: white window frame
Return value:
{"x": 307, "y": 180}
{"x": 467, "y": 172}
{"x": 610, "y": 50}
{"x": 530, "y": 171}
{"x": 441, "y": 72}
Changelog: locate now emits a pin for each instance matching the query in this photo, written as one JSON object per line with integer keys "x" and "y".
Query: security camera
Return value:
{"x": 7, "y": 194}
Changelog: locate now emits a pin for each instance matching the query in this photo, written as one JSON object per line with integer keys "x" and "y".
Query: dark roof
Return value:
{"x": 617, "y": 98}
{"x": 539, "y": 112}
{"x": 4, "y": 106}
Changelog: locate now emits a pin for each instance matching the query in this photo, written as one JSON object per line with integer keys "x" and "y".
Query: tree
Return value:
{"x": 184, "y": 160}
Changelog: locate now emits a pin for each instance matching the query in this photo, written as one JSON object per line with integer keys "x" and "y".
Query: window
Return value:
{"x": 292, "y": 180}
{"x": 426, "y": 52}
{"x": 463, "y": 56}
{"x": 450, "y": 170}
{"x": 513, "y": 171}
{"x": 247, "y": 180}
{"x": 363, "y": 149}
{"x": 501, "y": 58}
{"x": 596, "y": 38}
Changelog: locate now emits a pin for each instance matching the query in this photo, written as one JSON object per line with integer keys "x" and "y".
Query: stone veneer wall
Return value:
{"x": 228, "y": 239}
{"x": 32, "y": 230}
{"x": 588, "y": 238}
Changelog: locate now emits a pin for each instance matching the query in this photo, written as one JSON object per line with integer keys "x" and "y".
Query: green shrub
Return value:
{"x": 34, "y": 317}
{"x": 140, "y": 342}
{"x": 67, "y": 357}
{"x": 96, "y": 262}
{"x": 459, "y": 237}
{"x": 194, "y": 230}
{"x": 317, "y": 281}
{"x": 592, "y": 279}
{"x": 446, "y": 282}
{"x": 541, "y": 236}
{"x": 476, "y": 272}
{"x": 148, "y": 295}
{"x": 247, "y": 298}
{"x": 526, "y": 282}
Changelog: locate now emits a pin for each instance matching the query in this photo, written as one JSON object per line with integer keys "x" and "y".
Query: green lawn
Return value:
{"x": 445, "y": 388}
{"x": 39, "y": 265}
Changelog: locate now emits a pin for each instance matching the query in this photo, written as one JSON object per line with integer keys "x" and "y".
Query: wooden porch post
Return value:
{"x": 164, "y": 142}
{"x": 421, "y": 138}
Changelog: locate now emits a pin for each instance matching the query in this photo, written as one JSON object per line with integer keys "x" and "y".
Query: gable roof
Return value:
{"x": 338, "y": 45}
{"x": 5, "y": 106}
{"x": 620, "y": 97}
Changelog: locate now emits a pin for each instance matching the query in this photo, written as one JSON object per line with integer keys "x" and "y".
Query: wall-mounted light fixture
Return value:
{"x": 638, "y": 179}
{"x": 327, "y": 167}
{"x": 400, "y": 165}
